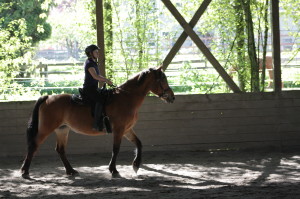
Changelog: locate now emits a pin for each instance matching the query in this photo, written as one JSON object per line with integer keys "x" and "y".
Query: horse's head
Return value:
{"x": 160, "y": 85}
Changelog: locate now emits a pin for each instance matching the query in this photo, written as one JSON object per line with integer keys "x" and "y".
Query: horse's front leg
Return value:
{"x": 131, "y": 136}
{"x": 115, "y": 152}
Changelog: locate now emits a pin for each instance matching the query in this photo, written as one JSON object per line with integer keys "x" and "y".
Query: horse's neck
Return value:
{"x": 132, "y": 87}
{"x": 135, "y": 92}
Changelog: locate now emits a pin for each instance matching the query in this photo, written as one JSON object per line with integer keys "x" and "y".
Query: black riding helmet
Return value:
{"x": 90, "y": 49}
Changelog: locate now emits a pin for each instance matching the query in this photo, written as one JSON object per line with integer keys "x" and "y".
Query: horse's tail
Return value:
{"x": 33, "y": 122}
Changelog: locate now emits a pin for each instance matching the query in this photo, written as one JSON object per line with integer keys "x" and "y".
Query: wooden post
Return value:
{"x": 276, "y": 45}
{"x": 187, "y": 28}
{"x": 100, "y": 36}
{"x": 46, "y": 72}
{"x": 40, "y": 67}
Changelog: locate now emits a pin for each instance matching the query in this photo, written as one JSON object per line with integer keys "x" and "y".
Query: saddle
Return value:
{"x": 82, "y": 100}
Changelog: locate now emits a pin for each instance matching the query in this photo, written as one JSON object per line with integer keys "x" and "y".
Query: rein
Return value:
{"x": 164, "y": 90}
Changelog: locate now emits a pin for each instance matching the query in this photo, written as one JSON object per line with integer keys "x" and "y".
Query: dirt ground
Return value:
{"x": 167, "y": 175}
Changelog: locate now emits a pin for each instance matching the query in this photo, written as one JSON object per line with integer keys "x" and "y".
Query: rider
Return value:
{"x": 90, "y": 85}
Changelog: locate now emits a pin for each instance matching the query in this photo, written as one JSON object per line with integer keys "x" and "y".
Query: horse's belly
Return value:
{"x": 89, "y": 131}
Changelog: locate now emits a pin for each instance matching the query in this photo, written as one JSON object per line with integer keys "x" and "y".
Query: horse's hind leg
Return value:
{"x": 33, "y": 145}
{"x": 131, "y": 136}
{"x": 61, "y": 143}
{"x": 26, "y": 164}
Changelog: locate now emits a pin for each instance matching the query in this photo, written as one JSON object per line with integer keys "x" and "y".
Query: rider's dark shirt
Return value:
{"x": 89, "y": 81}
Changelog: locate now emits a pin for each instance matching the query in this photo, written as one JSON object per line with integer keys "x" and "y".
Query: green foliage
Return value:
{"x": 11, "y": 47}
{"x": 194, "y": 80}
{"x": 294, "y": 17}
{"x": 72, "y": 27}
{"x": 22, "y": 25}
{"x": 225, "y": 20}
{"x": 135, "y": 25}
{"x": 32, "y": 90}
{"x": 33, "y": 12}
{"x": 59, "y": 86}
{"x": 138, "y": 34}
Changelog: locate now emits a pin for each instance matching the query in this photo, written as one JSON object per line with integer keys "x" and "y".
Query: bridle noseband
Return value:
{"x": 165, "y": 90}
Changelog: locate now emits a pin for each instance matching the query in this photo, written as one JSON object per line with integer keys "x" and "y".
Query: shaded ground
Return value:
{"x": 163, "y": 175}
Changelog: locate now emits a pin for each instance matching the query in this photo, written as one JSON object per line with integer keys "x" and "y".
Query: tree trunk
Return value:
{"x": 108, "y": 33}
{"x": 138, "y": 26}
{"x": 241, "y": 66}
{"x": 263, "y": 75}
{"x": 251, "y": 47}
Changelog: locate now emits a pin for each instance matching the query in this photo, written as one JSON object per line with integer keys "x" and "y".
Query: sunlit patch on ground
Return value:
{"x": 163, "y": 175}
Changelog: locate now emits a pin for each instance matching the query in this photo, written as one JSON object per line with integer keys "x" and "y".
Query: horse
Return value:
{"x": 57, "y": 113}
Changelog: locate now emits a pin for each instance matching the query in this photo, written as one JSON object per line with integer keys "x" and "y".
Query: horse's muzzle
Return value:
{"x": 171, "y": 99}
{"x": 168, "y": 98}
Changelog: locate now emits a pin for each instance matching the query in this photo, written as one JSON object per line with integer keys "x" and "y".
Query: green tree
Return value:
{"x": 22, "y": 25}
{"x": 265, "y": 11}
{"x": 239, "y": 23}
{"x": 241, "y": 66}
{"x": 33, "y": 12}
{"x": 293, "y": 16}
{"x": 251, "y": 46}
{"x": 135, "y": 35}
{"x": 108, "y": 34}
{"x": 73, "y": 28}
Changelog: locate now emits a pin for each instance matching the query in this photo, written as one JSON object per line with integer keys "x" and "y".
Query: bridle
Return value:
{"x": 164, "y": 94}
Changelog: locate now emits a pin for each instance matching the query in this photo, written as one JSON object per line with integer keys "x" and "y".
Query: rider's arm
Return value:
{"x": 100, "y": 78}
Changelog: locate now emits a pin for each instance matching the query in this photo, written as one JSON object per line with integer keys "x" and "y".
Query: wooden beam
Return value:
{"x": 187, "y": 28}
{"x": 276, "y": 45}
{"x": 100, "y": 36}
{"x": 184, "y": 35}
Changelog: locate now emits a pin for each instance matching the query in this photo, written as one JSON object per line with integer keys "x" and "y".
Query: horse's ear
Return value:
{"x": 161, "y": 68}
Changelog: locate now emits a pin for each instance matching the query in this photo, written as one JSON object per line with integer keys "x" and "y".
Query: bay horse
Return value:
{"x": 57, "y": 113}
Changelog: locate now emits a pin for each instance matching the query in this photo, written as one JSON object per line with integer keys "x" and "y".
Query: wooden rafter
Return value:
{"x": 189, "y": 30}
{"x": 184, "y": 35}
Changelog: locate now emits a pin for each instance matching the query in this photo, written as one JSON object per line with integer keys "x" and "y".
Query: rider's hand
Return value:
{"x": 109, "y": 82}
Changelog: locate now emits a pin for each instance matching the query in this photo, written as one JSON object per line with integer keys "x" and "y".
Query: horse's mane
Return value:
{"x": 142, "y": 75}
{"x": 139, "y": 78}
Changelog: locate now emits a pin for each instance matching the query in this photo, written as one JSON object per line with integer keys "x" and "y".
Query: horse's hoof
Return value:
{"x": 114, "y": 172}
{"x": 115, "y": 175}
{"x": 135, "y": 166}
{"x": 135, "y": 169}
{"x": 26, "y": 176}
{"x": 72, "y": 173}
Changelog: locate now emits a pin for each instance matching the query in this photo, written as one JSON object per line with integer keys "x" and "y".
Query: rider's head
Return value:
{"x": 90, "y": 49}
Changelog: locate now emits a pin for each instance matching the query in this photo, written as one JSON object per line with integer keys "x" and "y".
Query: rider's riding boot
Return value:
{"x": 107, "y": 125}
{"x": 98, "y": 117}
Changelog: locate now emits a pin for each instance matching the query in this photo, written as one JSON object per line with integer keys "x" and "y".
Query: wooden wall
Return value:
{"x": 193, "y": 122}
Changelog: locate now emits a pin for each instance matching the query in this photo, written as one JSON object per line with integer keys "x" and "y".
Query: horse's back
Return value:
{"x": 58, "y": 99}
{"x": 56, "y": 109}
